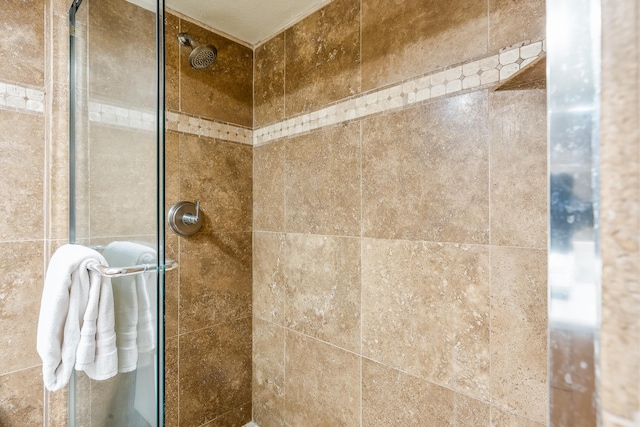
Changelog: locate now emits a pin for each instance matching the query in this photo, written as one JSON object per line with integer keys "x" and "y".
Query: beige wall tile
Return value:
{"x": 21, "y": 280}
{"x": 394, "y": 398}
{"x": 21, "y": 398}
{"x": 215, "y": 279}
{"x": 22, "y": 52}
{"x": 425, "y": 310}
{"x": 222, "y": 91}
{"x": 21, "y": 182}
{"x": 268, "y": 187}
{"x": 519, "y": 331}
{"x": 322, "y": 181}
{"x": 172, "y": 286}
{"x": 322, "y": 383}
{"x": 500, "y": 418}
{"x": 268, "y": 374}
{"x": 215, "y": 371}
{"x": 323, "y": 288}
{"x": 218, "y": 174}
{"x": 235, "y": 418}
{"x": 415, "y": 36}
{"x": 469, "y": 412}
{"x": 113, "y": 401}
{"x": 171, "y": 381}
{"x": 511, "y": 22}
{"x": 58, "y": 405}
{"x": 620, "y": 180}
{"x": 425, "y": 172}
{"x": 269, "y": 292}
{"x": 322, "y": 57}
{"x": 518, "y": 123}
{"x": 122, "y": 182}
{"x": 268, "y": 80}
{"x": 172, "y": 62}
{"x": 58, "y": 184}
{"x": 119, "y": 69}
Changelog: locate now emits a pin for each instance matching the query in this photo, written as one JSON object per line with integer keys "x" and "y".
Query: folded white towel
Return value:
{"x": 76, "y": 323}
{"x": 134, "y": 321}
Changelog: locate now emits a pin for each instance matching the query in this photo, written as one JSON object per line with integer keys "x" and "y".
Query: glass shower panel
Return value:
{"x": 116, "y": 188}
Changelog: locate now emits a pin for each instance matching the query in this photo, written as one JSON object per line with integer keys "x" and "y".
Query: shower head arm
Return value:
{"x": 186, "y": 40}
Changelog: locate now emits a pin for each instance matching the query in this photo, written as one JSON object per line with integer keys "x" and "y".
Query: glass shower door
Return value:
{"x": 116, "y": 189}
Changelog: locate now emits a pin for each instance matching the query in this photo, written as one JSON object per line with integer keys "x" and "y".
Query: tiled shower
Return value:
{"x": 374, "y": 245}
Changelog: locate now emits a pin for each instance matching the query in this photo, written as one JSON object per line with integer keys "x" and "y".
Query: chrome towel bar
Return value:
{"x": 131, "y": 270}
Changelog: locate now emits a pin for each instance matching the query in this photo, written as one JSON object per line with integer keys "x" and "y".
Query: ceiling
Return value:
{"x": 251, "y": 21}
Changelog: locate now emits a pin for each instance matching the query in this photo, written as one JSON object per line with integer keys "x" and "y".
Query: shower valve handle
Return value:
{"x": 182, "y": 220}
{"x": 190, "y": 219}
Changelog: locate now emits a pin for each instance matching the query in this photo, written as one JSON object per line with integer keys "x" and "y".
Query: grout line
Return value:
{"x": 293, "y": 233}
{"x": 20, "y": 370}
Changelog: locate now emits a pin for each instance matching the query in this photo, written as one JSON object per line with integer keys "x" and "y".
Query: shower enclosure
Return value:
{"x": 116, "y": 186}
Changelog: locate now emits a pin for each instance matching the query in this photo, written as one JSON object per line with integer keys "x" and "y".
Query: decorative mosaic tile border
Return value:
{"x": 21, "y": 98}
{"x": 474, "y": 74}
{"x": 213, "y": 129}
{"x": 127, "y": 118}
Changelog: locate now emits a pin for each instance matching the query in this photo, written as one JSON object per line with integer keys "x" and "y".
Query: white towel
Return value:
{"x": 134, "y": 322}
{"x": 76, "y": 324}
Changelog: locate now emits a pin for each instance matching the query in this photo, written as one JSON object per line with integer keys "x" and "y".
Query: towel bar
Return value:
{"x": 131, "y": 270}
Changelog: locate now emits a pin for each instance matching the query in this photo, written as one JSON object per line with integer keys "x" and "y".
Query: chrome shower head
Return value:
{"x": 202, "y": 55}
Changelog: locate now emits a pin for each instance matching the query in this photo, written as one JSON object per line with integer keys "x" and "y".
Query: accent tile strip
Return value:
{"x": 474, "y": 74}
{"x": 127, "y": 118}
{"x": 209, "y": 128}
{"x": 21, "y": 98}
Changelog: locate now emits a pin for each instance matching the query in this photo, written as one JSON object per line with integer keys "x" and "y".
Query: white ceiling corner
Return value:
{"x": 251, "y": 21}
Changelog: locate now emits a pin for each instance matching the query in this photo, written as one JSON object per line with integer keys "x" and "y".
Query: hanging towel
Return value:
{"x": 76, "y": 323}
{"x": 134, "y": 322}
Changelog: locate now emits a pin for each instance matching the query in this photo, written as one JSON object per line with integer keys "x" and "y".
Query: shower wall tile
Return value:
{"x": 215, "y": 371}
{"x": 519, "y": 331}
{"x": 322, "y": 181}
{"x": 122, "y": 64}
{"x": 235, "y": 418}
{"x": 172, "y": 62}
{"x": 21, "y": 278}
{"x": 619, "y": 380}
{"x": 58, "y": 220}
{"x": 425, "y": 172}
{"x": 215, "y": 279}
{"x": 500, "y": 418}
{"x": 518, "y": 168}
{"x": 323, "y": 288}
{"x": 268, "y": 187}
{"x": 269, "y": 293}
{"x": 268, "y": 82}
{"x": 122, "y": 177}
{"x": 22, "y": 178}
{"x": 322, "y": 57}
{"x": 512, "y": 22}
{"x": 171, "y": 381}
{"x": 21, "y": 398}
{"x": 416, "y": 36}
{"x": 218, "y": 174}
{"x": 394, "y": 398}
{"x": 425, "y": 311}
{"x": 322, "y": 383}
{"x": 172, "y": 285}
{"x": 22, "y": 50}
{"x": 470, "y": 412}
{"x": 268, "y": 374}
{"x": 222, "y": 91}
